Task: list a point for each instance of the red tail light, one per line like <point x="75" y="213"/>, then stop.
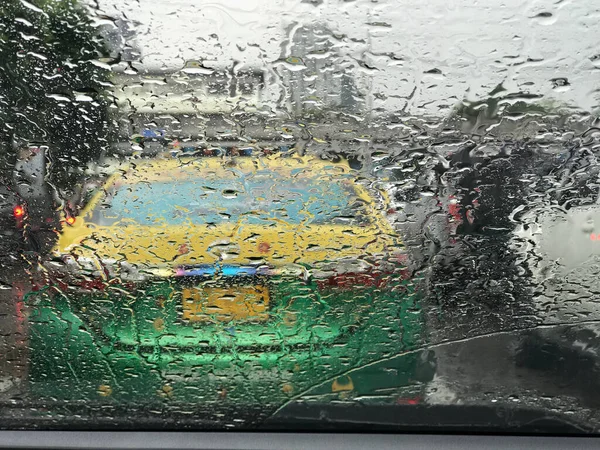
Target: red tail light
<point x="409" y="401"/>
<point x="350" y="274"/>
<point x="352" y="280"/>
<point x="19" y="211"/>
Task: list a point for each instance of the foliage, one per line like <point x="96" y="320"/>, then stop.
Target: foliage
<point x="500" y="103"/>
<point x="52" y="84"/>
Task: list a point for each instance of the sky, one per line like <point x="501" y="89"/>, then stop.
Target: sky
<point x="420" y="56"/>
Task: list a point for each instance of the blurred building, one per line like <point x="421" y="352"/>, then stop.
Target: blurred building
<point x="206" y="93"/>
<point x="318" y="76"/>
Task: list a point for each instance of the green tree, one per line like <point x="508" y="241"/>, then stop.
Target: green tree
<point x="500" y="103"/>
<point x="52" y="85"/>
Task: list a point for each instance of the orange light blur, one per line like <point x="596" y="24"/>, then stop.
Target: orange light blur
<point x="70" y="220"/>
<point x="19" y="211"/>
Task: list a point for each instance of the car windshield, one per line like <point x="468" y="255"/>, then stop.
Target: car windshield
<point x="215" y="201"/>
<point x="311" y="215"/>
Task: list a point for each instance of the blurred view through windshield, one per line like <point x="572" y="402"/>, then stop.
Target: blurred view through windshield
<point x="300" y="215"/>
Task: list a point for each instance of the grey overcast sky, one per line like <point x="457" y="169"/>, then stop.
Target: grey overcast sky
<point x="474" y="45"/>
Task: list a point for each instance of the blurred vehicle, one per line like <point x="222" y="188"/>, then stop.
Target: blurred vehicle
<point x="40" y="207"/>
<point x="225" y="280"/>
<point x="149" y="136"/>
<point x="557" y="241"/>
<point x="560" y="247"/>
<point x="502" y="228"/>
<point x="196" y="150"/>
<point x="459" y="212"/>
<point x="158" y="134"/>
<point x="13" y="220"/>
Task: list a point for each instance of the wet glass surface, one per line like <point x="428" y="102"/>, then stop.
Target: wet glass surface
<point x="312" y="215"/>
